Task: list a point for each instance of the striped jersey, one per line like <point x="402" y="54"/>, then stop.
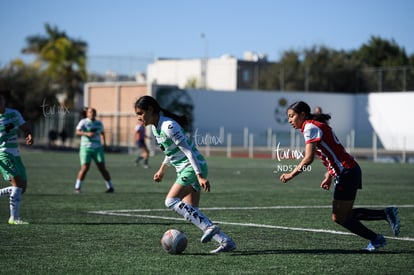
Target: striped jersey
<point x="328" y="147"/>
<point x="10" y="121"/>
<point x="169" y="134"/>
<point x="87" y="125"/>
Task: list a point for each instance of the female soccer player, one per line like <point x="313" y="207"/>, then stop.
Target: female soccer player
<point x="190" y="165"/>
<point x="91" y="131"/>
<point x="11" y="165"/>
<point x="342" y="167"/>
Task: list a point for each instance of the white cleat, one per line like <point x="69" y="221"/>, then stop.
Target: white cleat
<point x="225" y="246"/>
<point x="209" y="233"/>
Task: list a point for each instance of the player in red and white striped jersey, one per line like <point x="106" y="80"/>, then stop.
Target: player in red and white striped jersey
<point x="343" y="169"/>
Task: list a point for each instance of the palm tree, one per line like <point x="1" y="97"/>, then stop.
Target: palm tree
<point x="64" y="60"/>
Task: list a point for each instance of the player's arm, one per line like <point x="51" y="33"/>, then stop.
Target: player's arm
<point x="81" y="132"/>
<point x="103" y="138"/>
<point x="27" y="133"/>
<point x="161" y="171"/>
<point x="307" y="160"/>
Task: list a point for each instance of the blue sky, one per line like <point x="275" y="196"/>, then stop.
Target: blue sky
<point x="148" y="29"/>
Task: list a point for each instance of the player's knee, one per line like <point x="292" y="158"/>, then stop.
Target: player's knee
<point x="338" y="219"/>
<point x="170" y="202"/>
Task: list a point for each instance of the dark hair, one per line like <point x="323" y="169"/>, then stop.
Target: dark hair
<point x="300" y="106"/>
<point x="146" y="101"/>
<point x="6" y="94"/>
<point x="82" y="113"/>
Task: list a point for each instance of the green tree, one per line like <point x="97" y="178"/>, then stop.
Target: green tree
<point x="383" y="61"/>
<point x="29" y="89"/>
<point x="64" y="60"/>
<point x="330" y="70"/>
<point x="379" y="52"/>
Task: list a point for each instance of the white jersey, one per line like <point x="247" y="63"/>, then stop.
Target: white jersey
<point x="10" y="123"/>
<point x="87" y="125"/>
<point x="169" y="134"/>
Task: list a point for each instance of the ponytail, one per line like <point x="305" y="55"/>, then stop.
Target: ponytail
<point x="182" y="120"/>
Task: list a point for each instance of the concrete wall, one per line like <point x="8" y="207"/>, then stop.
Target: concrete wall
<point x="354" y="117"/>
<point x="114" y="103"/>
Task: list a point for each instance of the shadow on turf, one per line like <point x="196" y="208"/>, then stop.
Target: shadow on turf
<point x="309" y="251"/>
<point x="111" y="223"/>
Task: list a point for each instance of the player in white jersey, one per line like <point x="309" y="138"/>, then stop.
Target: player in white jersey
<point x="11" y="165"/>
<point x="190" y="165"/>
<point x="91" y="131"/>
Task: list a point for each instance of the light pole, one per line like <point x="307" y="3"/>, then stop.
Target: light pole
<point x="204" y="61"/>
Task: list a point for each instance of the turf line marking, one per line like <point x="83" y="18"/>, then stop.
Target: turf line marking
<point x="126" y="213"/>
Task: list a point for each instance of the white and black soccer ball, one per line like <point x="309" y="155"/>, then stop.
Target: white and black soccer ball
<point x="174" y="241"/>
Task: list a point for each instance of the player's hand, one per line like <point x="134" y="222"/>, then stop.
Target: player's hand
<point x="158" y="176"/>
<point x="205" y="183"/>
<point x="326" y="183"/>
<point x="29" y="139"/>
<point x="285" y="178"/>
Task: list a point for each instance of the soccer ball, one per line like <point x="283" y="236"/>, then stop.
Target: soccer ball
<point x="174" y="241"/>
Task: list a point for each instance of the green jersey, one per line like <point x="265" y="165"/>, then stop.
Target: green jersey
<point x="87" y="125"/>
<point x="169" y="134"/>
<point x="10" y="122"/>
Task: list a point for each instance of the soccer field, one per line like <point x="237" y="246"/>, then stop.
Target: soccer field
<point x="279" y="228"/>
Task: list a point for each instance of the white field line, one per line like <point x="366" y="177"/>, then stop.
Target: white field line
<point x="127" y="213"/>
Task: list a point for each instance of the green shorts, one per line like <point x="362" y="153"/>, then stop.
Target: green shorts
<point x="189" y="177"/>
<point x="86" y="154"/>
<point x="12" y="166"/>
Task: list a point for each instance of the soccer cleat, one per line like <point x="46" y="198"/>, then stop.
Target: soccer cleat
<point x="380" y="241"/>
<point x="209" y="232"/>
<point x="77" y="190"/>
<point x="16" y="221"/>
<point x="392" y="218"/>
<point x="225" y="246"/>
<point x="110" y="190"/>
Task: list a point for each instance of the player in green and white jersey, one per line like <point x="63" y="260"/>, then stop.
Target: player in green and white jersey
<point x="91" y="131"/>
<point x="11" y="165"/>
<point x="190" y="165"/>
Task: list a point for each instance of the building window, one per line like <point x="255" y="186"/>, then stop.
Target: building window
<point x="246" y="76"/>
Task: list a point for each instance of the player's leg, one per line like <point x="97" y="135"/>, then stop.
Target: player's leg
<point x="99" y="158"/>
<point x="220" y="237"/>
<point x="85" y="161"/>
<point x="5" y="192"/>
<point x="390" y="214"/>
<point x="13" y="171"/>
<point x="342" y="214"/>
<point x="179" y="200"/>
<point x="18" y="185"/>
<point x="184" y="198"/>
<point x="345" y="191"/>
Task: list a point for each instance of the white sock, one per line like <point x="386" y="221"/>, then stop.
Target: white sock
<point x="192" y="214"/>
<point x="15" y="197"/>
<point x="108" y="184"/>
<point x="78" y="184"/>
<point x="5" y="192"/>
<point x="221" y="237"/>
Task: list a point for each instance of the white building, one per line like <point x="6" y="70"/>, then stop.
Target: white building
<point x="226" y="73"/>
